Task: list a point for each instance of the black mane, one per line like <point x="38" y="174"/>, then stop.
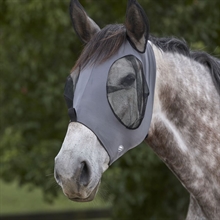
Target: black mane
<point x="175" y="45"/>
<point x="102" y="46"/>
<point x="107" y="42"/>
<point x="171" y="44"/>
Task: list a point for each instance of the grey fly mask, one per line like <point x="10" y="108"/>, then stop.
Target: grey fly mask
<point x="114" y="99"/>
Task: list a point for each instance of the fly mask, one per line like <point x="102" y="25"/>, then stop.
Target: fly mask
<point x="114" y="99"/>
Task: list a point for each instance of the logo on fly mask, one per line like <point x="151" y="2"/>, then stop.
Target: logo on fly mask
<point x="127" y="91"/>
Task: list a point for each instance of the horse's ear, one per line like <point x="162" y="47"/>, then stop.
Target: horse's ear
<point x="83" y="25"/>
<point x="137" y="26"/>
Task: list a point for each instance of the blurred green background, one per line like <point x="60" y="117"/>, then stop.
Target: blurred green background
<point x="38" y="48"/>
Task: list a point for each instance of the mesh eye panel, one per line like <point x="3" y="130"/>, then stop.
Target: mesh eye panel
<point x="69" y="88"/>
<point x="68" y="92"/>
<point x="127" y="91"/>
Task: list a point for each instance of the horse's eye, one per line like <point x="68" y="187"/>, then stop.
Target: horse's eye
<point x="128" y="80"/>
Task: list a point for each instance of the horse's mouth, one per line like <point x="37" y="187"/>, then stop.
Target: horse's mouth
<point x="89" y="198"/>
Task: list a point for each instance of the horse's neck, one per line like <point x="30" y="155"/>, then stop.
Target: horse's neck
<point x="185" y="127"/>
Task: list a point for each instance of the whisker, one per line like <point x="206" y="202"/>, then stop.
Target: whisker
<point x="49" y="175"/>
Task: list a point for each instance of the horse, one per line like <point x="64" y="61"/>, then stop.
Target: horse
<point x="127" y="87"/>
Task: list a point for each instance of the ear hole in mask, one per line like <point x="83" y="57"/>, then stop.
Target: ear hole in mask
<point x="127" y="91"/>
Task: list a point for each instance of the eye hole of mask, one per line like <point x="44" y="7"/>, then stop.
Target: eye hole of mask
<point x="127" y="91"/>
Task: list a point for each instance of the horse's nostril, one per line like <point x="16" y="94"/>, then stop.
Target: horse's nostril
<point x="85" y="174"/>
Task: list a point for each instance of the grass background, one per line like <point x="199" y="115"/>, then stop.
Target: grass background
<point x="17" y="200"/>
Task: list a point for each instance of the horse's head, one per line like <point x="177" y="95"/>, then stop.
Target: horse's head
<point x="108" y="98"/>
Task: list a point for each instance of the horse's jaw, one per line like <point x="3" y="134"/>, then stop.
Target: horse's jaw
<point x="80" y="163"/>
